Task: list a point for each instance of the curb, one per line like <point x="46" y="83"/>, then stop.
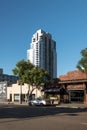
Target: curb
<point x="72" y="105"/>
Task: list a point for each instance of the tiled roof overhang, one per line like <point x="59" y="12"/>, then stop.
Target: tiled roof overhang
<point x="73" y="81"/>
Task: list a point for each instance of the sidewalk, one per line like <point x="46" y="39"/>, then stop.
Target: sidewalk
<point x="65" y="105"/>
<point x="72" y="105"/>
<point x="15" y="103"/>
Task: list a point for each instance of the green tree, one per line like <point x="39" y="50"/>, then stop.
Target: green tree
<point x="40" y="77"/>
<point x="82" y="63"/>
<point x="23" y="71"/>
<point x="33" y="76"/>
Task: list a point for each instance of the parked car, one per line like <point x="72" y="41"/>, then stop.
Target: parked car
<point x="39" y="101"/>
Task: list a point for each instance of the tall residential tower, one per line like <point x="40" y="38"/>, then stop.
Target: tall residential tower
<point x="42" y="52"/>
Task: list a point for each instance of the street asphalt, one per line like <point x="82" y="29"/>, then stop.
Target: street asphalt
<point x="59" y="117"/>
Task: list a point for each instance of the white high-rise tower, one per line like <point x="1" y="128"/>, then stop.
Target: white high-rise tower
<point x="42" y="52"/>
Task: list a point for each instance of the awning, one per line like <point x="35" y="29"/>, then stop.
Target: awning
<point x="52" y="90"/>
<point x="56" y="90"/>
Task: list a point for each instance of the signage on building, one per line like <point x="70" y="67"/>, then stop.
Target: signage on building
<point x="3" y="91"/>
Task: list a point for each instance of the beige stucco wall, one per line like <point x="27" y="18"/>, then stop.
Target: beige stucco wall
<point x="17" y="89"/>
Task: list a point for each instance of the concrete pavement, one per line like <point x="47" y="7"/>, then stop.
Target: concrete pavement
<point x="72" y="105"/>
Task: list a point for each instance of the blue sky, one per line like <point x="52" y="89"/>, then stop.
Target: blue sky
<point x="66" y="20"/>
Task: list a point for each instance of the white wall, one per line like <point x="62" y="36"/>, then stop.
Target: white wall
<point x="15" y="89"/>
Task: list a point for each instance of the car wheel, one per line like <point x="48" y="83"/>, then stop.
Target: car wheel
<point x="41" y="104"/>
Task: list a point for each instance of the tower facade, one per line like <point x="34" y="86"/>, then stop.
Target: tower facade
<point x="42" y="52"/>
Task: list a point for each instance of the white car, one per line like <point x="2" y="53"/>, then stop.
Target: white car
<point x="39" y="101"/>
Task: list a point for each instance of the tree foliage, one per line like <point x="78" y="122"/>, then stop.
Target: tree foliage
<point x="40" y="76"/>
<point x="82" y="63"/>
<point x="22" y="70"/>
<point x="28" y="73"/>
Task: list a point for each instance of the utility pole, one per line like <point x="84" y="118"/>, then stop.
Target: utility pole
<point x="20" y="94"/>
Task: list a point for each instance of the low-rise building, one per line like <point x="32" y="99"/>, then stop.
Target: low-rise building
<point x="71" y="87"/>
<point x="10" y="79"/>
<point x="75" y="82"/>
<point x="17" y="91"/>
